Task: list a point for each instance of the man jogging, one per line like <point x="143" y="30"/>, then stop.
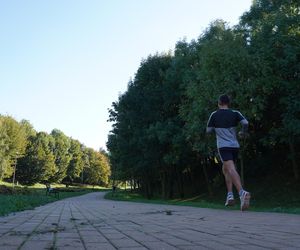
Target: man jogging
<point x="224" y="122"/>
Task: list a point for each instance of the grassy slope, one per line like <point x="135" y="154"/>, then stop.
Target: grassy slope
<point x="269" y="198"/>
<point x="36" y="196"/>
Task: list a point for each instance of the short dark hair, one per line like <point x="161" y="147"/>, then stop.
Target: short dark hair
<point x="224" y="100"/>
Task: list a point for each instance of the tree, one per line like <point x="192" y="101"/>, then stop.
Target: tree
<point x="98" y="171"/>
<point x="158" y="137"/>
<point x="76" y="163"/>
<point x="60" y="149"/>
<point x="13" y="141"/>
<point x="272" y="30"/>
<point x="38" y="164"/>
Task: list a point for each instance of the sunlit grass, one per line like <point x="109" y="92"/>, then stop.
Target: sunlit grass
<point x="23" y="197"/>
<point x="54" y="185"/>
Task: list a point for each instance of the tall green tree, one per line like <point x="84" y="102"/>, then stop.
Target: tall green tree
<point x="272" y="31"/>
<point x="60" y="149"/>
<point x="13" y="141"/>
<point x="38" y="163"/>
<point x="76" y="163"/>
<point x="158" y="136"/>
<point x="134" y="115"/>
<point x="98" y="171"/>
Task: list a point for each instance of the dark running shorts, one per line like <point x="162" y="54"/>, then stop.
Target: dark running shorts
<point x="227" y="154"/>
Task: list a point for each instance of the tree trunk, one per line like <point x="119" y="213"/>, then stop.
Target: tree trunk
<point x="171" y="181"/>
<point x="242" y="161"/>
<point x="149" y="190"/>
<point x="194" y="181"/>
<point x="209" y="188"/>
<point x="179" y="183"/>
<point x="293" y="159"/>
<point x="242" y="169"/>
<point x="163" y="185"/>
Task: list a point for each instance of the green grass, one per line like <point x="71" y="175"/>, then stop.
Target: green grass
<point x="30" y="197"/>
<point x="41" y="186"/>
<point x="136" y="197"/>
<point x="278" y="202"/>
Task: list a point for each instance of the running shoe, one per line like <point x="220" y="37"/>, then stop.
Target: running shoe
<point x="245" y="200"/>
<point x="229" y="200"/>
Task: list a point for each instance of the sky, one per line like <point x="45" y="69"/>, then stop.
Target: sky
<point x="63" y="62"/>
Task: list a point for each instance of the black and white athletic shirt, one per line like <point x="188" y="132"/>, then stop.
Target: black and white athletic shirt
<point x="224" y="123"/>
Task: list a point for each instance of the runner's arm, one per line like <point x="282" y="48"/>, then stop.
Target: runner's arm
<point x="210" y="124"/>
<point x="243" y="121"/>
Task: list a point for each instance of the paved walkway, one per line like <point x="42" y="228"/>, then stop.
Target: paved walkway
<point x="90" y="222"/>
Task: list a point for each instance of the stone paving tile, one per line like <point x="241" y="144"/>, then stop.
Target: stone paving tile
<point x="42" y="237"/>
<point x="142" y="237"/>
<point x="67" y="235"/>
<point x="69" y="242"/>
<point x="250" y="247"/>
<point x="125" y="243"/>
<point x="70" y="248"/>
<point x="195" y="247"/>
<point x="90" y="222"/>
<point x="9" y="248"/>
<point x="177" y="242"/>
<point x="94" y="239"/>
<point x="11" y="240"/>
<point x="133" y="248"/>
<point x="116" y="236"/>
<point x="97" y="246"/>
<point x="158" y="245"/>
<point x="33" y="244"/>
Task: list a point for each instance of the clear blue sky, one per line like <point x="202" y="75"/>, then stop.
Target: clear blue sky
<point x="63" y="62"/>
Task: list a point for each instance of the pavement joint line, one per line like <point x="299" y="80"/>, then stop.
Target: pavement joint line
<point x="190" y="241"/>
<point x="55" y="233"/>
<point x="142" y="231"/>
<point x="95" y="227"/>
<point x="75" y="225"/>
<point x="125" y="227"/>
<point x="96" y="216"/>
<point x="288" y="233"/>
<point x="27" y="238"/>
<point x="200" y="232"/>
<point x="23" y="222"/>
<point x="90" y="223"/>
<point x="178" y="237"/>
<point x="167" y="234"/>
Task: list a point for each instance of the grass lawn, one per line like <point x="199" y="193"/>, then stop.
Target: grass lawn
<point x="29" y="197"/>
<point x="278" y="202"/>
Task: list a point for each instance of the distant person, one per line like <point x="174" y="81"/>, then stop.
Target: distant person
<point x="224" y="122"/>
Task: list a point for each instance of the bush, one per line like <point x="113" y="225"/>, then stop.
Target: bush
<point x="17" y="190"/>
<point x="6" y="190"/>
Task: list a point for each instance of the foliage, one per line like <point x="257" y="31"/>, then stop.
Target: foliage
<point x="158" y="142"/>
<point x="46" y="158"/>
<point x="60" y="149"/>
<point x="38" y="164"/>
<point x="13" y="141"/>
<point x="76" y="163"/>
<point x="98" y="170"/>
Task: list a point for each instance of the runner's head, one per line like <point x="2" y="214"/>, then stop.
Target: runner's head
<point x="223" y="101"/>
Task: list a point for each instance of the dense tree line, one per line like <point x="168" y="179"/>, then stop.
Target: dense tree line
<point x="158" y="141"/>
<point x="47" y="158"/>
